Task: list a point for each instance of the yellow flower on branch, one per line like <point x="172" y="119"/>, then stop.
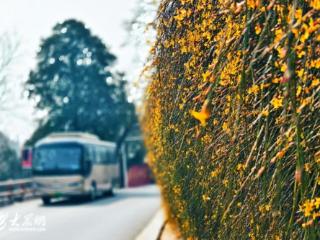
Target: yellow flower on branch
<point x="307" y="207"/>
<point x="278" y="35"/>
<point x="182" y="14"/>
<point x="252" y="3"/>
<point x="241" y="167"/>
<point x="258" y="29"/>
<point x="307" y="167"/>
<point x="206" y="75"/>
<point x="184" y="49"/>
<point x="254" y="89"/>
<point x="298" y="15"/>
<point x="277" y="102"/>
<point x="265" y="113"/>
<point x="315" y="4"/>
<point x="315" y="83"/>
<point x="203" y="115"/>
<point x="215" y="173"/>
<point x="276" y="80"/>
<point x="225" y="127"/>
<point x="314" y="64"/>
<point x="205" y="198"/>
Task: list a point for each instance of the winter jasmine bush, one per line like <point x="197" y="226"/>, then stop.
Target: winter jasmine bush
<point x="231" y="117"/>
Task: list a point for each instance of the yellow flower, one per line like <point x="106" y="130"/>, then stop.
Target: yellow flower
<point x="314" y="63"/>
<point x="205" y="198"/>
<point x="215" y="173"/>
<point x="257" y="29"/>
<point x="184" y="49"/>
<point x="254" y="89"/>
<point x="307" y="208"/>
<point x="315" y="4"/>
<point x="283" y="68"/>
<point x="276" y="80"/>
<point x="265" y="113"/>
<point x="240" y="167"/>
<point x="277" y="102"/>
<point x="278" y="35"/>
<point x="267" y="207"/>
<point x="264" y="85"/>
<point x="317" y="203"/>
<point x="307" y="167"/>
<point x="181" y="14"/>
<point x="299" y="90"/>
<point x="203" y="115"/>
<point x="225" y="182"/>
<point x="252" y="3"/>
<point x="206" y="75"/>
<point x="315" y="83"/>
<point x="225" y="127"/>
<point x="298" y="15"/>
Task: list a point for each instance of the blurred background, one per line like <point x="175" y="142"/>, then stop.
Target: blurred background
<point x="72" y="66"/>
<point x="48" y="49"/>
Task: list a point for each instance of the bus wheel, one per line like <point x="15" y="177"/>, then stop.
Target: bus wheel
<point x="46" y="200"/>
<point x="109" y="193"/>
<point x="10" y="200"/>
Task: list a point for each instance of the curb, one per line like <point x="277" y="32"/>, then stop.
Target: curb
<point x="153" y="229"/>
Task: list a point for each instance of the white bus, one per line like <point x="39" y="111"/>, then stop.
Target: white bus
<point x="74" y="165"/>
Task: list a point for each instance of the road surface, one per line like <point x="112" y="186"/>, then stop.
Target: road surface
<point x="120" y="217"/>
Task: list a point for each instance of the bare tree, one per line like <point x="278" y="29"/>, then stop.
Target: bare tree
<point x="140" y="31"/>
<point x="9" y="162"/>
<point x="8" y="52"/>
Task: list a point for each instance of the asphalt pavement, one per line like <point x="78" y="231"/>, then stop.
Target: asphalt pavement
<point x="120" y="217"/>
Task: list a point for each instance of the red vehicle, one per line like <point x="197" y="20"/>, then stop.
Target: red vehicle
<point x="27" y="158"/>
<point x="139" y="175"/>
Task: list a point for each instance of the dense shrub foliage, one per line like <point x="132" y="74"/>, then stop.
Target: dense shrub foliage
<point x="232" y="114"/>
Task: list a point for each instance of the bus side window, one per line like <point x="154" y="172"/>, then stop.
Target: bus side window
<point x="91" y="154"/>
<point x="106" y="155"/>
<point x="97" y="152"/>
<point x="112" y="157"/>
<point x="100" y="154"/>
<point x="87" y="153"/>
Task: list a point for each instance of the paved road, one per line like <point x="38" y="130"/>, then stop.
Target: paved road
<point x="120" y="217"/>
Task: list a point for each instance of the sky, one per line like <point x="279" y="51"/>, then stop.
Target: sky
<point x="28" y="21"/>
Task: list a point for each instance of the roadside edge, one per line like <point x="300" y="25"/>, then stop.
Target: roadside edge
<point x="152" y="230"/>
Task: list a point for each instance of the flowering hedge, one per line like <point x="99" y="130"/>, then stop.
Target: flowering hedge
<point x="231" y="117"/>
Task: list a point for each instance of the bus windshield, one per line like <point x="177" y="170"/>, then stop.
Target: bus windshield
<point x="57" y="159"/>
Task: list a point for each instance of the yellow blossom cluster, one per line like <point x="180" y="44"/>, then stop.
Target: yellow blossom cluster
<point x="232" y="117"/>
<point x="311" y="210"/>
